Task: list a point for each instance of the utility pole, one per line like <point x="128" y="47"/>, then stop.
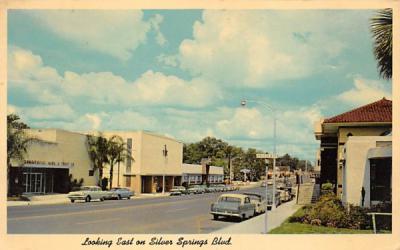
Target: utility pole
<point x="165" y="154"/>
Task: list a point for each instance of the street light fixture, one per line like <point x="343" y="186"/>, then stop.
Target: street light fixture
<point x="273" y="110"/>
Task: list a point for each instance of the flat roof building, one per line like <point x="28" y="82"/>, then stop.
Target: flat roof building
<point x="144" y="174"/>
<point x="51" y="158"/>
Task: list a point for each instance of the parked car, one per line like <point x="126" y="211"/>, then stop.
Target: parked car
<point x="178" y="190"/>
<point x="233" y="205"/>
<point x="87" y="193"/>
<point x="269" y="198"/>
<point x="230" y="188"/>
<point x="120" y="193"/>
<point x="108" y="194"/>
<point x="284" y="195"/>
<point x="259" y="201"/>
<point x="196" y="189"/>
<point x="210" y="189"/>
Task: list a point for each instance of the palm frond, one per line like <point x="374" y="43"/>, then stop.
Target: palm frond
<point x="381" y="29"/>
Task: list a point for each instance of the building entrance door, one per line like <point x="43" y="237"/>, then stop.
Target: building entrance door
<point x="34" y="182"/>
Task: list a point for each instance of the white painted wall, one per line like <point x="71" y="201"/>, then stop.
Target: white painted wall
<point x="356" y="170"/>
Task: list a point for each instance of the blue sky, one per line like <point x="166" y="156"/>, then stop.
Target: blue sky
<point x="182" y="73"/>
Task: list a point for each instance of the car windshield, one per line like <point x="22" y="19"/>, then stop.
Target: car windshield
<point x="229" y="199"/>
<point x="84" y="188"/>
<point x="115" y="189"/>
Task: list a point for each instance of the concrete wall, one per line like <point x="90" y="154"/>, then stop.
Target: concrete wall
<point x="356" y="170"/>
<point x="355" y="131"/>
<point x="62" y="146"/>
<point x="152" y="160"/>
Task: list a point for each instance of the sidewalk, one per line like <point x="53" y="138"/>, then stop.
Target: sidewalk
<point x="257" y="225"/>
<point x="63" y="199"/>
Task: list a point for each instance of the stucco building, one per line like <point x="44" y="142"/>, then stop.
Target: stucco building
<point x="56" y="154"/>
<point x="374" y="119"/>
<point x="195" y="174"/>
<point x="144" y="174"/>
<point x="367" y="165"/>
<point x="50" y="159"/>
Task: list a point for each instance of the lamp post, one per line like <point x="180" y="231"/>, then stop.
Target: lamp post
<point x="244" y="103"/>
<point x="165" y="154"/>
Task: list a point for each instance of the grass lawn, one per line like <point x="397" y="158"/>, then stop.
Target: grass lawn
<point x="299" y="228"/>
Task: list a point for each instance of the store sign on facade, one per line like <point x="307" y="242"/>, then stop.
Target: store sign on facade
<point x="48" y="164"/>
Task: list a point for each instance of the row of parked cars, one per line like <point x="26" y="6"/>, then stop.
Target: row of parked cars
<point x="89" y="193"/>
<point x="201" y="189"/>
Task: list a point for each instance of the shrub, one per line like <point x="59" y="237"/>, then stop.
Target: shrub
<point x="383" y="222"/>
<point x="358" y="218"/>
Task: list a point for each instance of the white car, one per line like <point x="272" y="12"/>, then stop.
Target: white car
<point x="87" y="193"/>
<point x="120" y="193"/>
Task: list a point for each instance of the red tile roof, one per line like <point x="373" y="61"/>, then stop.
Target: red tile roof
<point x="379" y="111"/>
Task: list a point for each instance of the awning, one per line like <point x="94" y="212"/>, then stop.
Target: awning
<point x="380" y="152"/>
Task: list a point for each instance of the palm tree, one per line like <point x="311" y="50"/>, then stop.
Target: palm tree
<point x="117" y="152"/>
<point x="97" y="147"/>
<point x="17" y="142"/>
<point x="381" y="28"/>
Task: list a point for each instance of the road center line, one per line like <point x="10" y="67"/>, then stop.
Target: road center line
<point x="102" y="210"/>
<point x="97" y="221"/>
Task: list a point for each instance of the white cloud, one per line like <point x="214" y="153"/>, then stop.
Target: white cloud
<point x="294" y="126"/>
<point x="168" y="60"/>
<point x="155" y="24"/>
<point x="28" y="73"/>
<point x="255" y="48"/>
<point x="114" y="32"/>
<point x="11" y="109"/>
<point x="365" y="91"/>
<point x="48" y="112"/>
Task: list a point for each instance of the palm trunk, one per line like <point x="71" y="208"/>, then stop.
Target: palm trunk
<point x="111" y="174"/>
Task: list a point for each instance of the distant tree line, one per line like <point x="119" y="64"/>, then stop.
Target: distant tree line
<point x="224" y="155"/>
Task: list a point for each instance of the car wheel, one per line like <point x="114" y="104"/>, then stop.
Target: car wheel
<point x="128" y="197"/>
<point x="87" y="199"/>
<point x="254" y="213"/>
<point x="216" y="216"/>
<point x="102" y="199"/>
<point x="72" y="201"/>
<point x="243" y="217"/>
<point x="119" y="197"/>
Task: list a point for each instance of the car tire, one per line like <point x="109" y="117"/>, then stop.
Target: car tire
<point x="216" y="216"/>
<point x="243" y="217"/>
<point x="128" y="197"/>
<point x="87" y="199"/>
<point x="72" y="201"/>
<point x="119" y="197"/>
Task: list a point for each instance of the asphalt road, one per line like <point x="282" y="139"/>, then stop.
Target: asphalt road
<point x="175" y="215"/>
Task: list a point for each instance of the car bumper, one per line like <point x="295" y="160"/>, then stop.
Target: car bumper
<point x="227" y="214"/>
<point x="76" y="197"/>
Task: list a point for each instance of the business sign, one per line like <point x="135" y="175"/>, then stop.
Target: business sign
<point x="47" y="164"/>
<point x="265" y="156"/>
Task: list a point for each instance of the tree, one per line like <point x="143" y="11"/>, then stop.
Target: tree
<point x="381" y="28"/>
<point x="17" y="142"/>
<point x="117" y="152"/>
<point x="97" y="147"/>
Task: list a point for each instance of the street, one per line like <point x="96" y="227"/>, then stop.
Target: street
<point x="177" y="214"/>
